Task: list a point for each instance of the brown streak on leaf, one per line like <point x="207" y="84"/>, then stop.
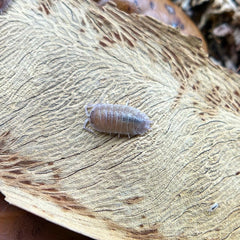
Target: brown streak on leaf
<point x="133" y="200"/>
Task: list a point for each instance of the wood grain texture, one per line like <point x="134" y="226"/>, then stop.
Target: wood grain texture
<point x="56" y="58"/>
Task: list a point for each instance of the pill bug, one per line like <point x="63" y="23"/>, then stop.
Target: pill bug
<point x="4" y="4"/>
<point x="120" y="119"/>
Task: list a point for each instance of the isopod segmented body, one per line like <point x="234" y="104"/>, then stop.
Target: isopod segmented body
<point x="120" y="119"/>
<point x="4" y="4"/>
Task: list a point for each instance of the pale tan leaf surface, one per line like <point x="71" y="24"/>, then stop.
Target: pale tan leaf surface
<point x="162" y="185"/>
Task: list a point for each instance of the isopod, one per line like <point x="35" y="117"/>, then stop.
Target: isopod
<point x="4" y="4"/>
<point x="120" y="119"/>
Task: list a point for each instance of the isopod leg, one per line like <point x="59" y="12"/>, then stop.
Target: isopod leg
<point x="118" y="135"/>
<point x="86" y="109"/>
<point x="85" y="124"/>
<point x="129" y="135"/>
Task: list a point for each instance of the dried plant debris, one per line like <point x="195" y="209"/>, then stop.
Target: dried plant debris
<point x="219" y="21"/>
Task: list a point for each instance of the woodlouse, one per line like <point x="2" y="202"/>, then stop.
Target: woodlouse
<point x="120" y="119"/>
<point x="4" y="4"/>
